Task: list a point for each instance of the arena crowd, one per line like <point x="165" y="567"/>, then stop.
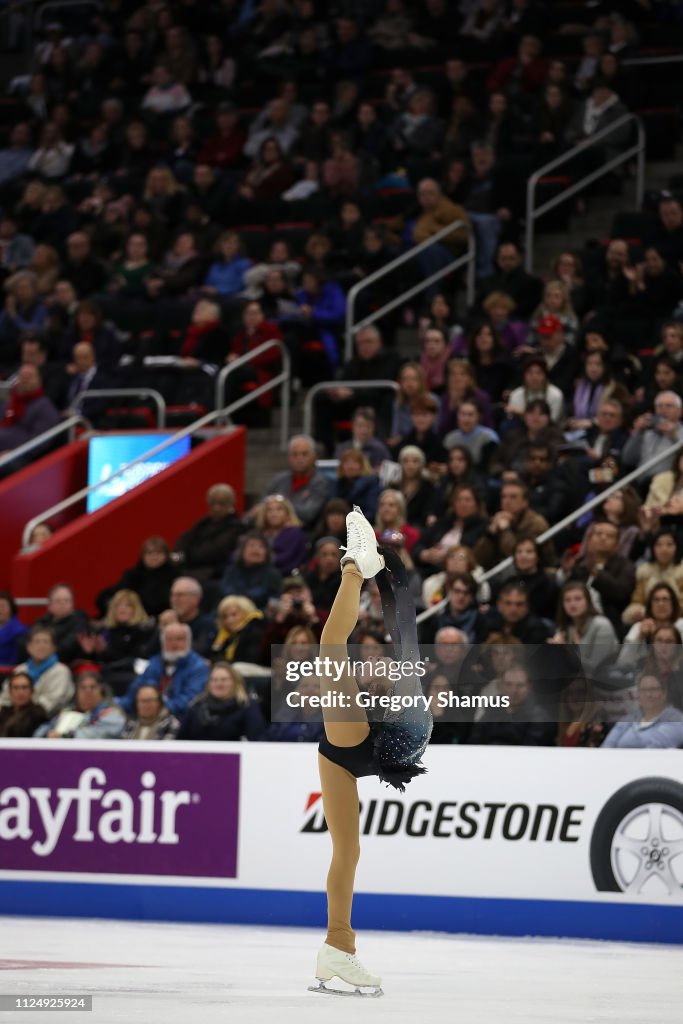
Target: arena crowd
<point x="180" y="182"/>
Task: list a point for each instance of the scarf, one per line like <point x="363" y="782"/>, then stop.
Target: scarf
<point x="17" y="404"/>
<point x="300" y="480"/>
<point x="37" y="668"/>
<point x="194" y="333"/>
<point x="231" y="640"/>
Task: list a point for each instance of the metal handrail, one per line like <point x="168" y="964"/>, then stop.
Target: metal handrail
<point x="282" y="380"/>
<point x="637" y="150"/>
<point x="69" y="424"/>
<point x="193" y="428"/>
<point x="618" y="485"/>
<point x="156" y="397"/>
<point x="467" y="257"/>
<point x="326" y="385"/>
<point x="641" y="62"/>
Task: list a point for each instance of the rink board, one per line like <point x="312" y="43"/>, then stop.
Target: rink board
<point x="531" y="841"/>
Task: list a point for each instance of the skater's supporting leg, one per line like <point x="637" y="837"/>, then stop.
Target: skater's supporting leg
<point x="342" y="814"/>
<point x="344" y="727"/>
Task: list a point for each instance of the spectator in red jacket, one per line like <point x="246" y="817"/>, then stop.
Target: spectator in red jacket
<point x="255" y="331"/>
<point x="525" y="73"/>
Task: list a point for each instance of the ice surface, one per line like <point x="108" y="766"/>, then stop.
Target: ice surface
<point x="198" y="974"/>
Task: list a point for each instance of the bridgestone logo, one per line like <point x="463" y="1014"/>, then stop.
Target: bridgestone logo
<point x="110" y="815"/>
<point x="460" y="820"/>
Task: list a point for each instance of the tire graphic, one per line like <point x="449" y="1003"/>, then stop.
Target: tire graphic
<point x="637" y="842"/>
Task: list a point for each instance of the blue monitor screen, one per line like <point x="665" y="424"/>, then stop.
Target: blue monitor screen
<point x="113" y="451"/>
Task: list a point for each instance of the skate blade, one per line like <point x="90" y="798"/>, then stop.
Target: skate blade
<point x="356" y="993"/>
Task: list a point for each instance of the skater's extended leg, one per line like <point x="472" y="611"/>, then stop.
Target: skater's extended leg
<point x="342" y="814"/>
<point x="348" y="726"/>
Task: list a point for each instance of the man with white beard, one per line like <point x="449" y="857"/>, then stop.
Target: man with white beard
<point x="178" y="672"/>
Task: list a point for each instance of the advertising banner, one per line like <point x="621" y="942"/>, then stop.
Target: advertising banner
<point x="529" y="823"/>
<point x="528" y="840"/>
<point x="109" y="811"/>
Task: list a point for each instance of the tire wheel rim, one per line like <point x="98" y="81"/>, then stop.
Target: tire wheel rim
<point x="646" y="844"/>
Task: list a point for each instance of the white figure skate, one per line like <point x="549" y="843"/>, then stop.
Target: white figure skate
<point x="335" y="963"/>
<point x="361" y="545"/>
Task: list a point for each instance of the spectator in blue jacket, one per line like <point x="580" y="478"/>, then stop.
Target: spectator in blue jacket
<point x="92" y="716"/>
<point x="10" y="629"/>
<point x="322" y="305"/>
<point x="656" y="723"/>
<point x="178" y="672"/>
<point x="226" y="274"/>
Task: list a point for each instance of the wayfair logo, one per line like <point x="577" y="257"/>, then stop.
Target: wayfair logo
<point x="108" y="815"/>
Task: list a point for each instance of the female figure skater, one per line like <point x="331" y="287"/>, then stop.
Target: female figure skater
<point x="353" y="747"/>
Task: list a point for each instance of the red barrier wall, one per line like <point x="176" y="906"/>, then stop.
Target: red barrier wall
<point x="30" y="491"/>
<point x="91" y="552"/>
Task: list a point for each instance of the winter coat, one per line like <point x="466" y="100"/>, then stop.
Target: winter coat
<point x="242" y="645"/>
<point x="494" y="547"/>
<point x="9" y="634"/>
<point x="362" y="491"/>
<point x="208" y="544"/>
<point x="228" y="277"/>
<point x="289" y="549"/>
<point x="188" y="680"/>
<point x="212" y="719"/>
<point x="541" y="590"/>
<point x="153" y="587"/>
<point x="40" y="415"/>
<point x="66" y="632"/>
<point x="21" y="722"/>
<point x="257" y="582"/>
<point x="473" y="528"/>
<point x="613" y="583"/>
<point x="307" y="500"/>
<point x="264" y="366"/>
<point x="125" y="643"/>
